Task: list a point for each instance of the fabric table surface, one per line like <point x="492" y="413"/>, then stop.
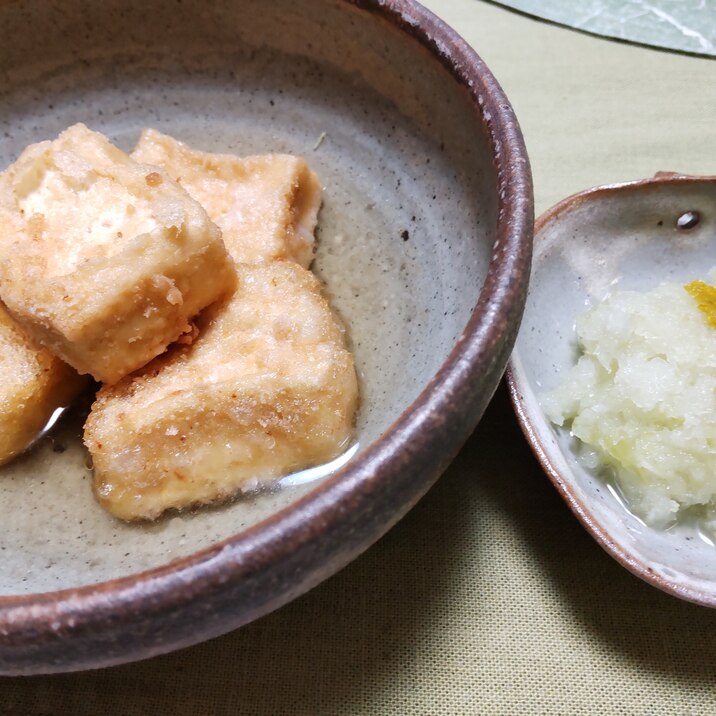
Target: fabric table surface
<point x="488" y="598"/>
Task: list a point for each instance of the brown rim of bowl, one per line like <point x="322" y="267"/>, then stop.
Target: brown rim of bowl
<point x="496" y="314"/>
<point x="580" y="510"/>
<point x="661" y="177"/>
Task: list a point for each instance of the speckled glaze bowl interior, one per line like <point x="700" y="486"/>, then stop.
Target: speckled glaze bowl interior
<point x="426" y="215"/>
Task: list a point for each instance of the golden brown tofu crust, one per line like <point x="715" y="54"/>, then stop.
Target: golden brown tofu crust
<point x="268" y="388"/>
<point x="34" y="384"/>
<point x="266" y="206"/>
<point x="76" y="274"/>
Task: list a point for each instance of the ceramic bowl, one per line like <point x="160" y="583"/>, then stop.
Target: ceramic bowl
<point x="424" y="244"/>
<point x="630" y="236"/>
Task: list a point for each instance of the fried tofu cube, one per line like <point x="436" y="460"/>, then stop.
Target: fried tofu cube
<point x="267" y="388"/>
<point x="104" y="261"/>
<point x="34" y="385"/>
<point x="266" y="206"/>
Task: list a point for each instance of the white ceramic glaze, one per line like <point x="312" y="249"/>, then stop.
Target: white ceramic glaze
<point x="616" y="237"/>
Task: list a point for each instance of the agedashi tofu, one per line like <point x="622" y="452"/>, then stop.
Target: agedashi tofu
<point x="103" y="260"/>
<point x="266" y="206"/>
<point x="34" y="385"/>
<point x="266" y="389"/>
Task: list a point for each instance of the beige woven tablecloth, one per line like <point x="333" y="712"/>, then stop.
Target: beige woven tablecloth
<point x="489" y="597"/>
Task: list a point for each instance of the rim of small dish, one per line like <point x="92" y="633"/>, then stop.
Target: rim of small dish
<point x="515" y="381"/>
<point x="495" y="315"/>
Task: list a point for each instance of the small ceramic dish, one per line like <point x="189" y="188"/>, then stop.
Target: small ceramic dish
<point x="626" y="236"/>
<point x="424" y="244"/>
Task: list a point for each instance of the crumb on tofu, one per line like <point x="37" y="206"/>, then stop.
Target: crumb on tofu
<point x="34" y="384"/>
<point x="266" y="389"/>
<point x="104" y="260"/>
<point x="266" y="206"/>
